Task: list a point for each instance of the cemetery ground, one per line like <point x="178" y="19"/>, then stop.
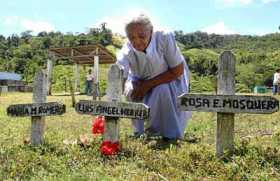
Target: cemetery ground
<point x="63" y="156"/>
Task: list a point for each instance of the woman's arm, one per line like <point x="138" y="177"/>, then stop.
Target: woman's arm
<point x="143" y="86"/>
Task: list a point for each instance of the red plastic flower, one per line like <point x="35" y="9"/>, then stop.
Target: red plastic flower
<point x="108" y="148"/>
<point x="98" y="125"/>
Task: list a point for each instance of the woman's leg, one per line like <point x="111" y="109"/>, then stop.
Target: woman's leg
<point x="165" y="118"/>
<point x="274" y="89"/>
<point x="90" y="87"/>
<point x="86" y="88"/>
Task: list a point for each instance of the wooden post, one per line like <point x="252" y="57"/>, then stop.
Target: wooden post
<point x="72" y="93"/>
<point x="96" y="69"/>
<point x="39" y="96"/>
<point x="95" y="86"/>
<point x="77" y="77"/>
<point x="113" y="91"/>
<point x="65" y="85"/>
<point x="226" y="86"/>
<point x="49" y="74"/>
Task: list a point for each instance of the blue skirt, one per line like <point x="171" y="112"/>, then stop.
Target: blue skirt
<point x="165" y="117"/>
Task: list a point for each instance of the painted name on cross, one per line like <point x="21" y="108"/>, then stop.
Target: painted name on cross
<point x="228" y="103"/>
<point x="113" y="109"/>
<point x="36" y="109"/>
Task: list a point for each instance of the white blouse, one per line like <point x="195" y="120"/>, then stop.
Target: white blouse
<point x="276" y="78"/>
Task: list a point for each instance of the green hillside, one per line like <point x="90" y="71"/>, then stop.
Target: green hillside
<point x="257" y="56"/>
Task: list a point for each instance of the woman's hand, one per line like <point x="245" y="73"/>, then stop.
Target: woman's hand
<point x="140" y="89"/>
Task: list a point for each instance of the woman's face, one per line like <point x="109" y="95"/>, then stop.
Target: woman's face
<point x="139" y="36"/>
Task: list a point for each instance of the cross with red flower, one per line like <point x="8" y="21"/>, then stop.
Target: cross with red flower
<point x="110" y="111"/>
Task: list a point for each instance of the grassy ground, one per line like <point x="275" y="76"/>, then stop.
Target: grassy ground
<point x="256" y="157"/>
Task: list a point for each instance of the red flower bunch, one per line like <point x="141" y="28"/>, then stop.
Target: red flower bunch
<point x="98" y="125"/>
<point x="108" y="148"/>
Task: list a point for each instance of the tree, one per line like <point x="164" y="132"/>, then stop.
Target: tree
<point x="13" y="40"/>
<point x="26" y="36"/>
<point x="42" y="34"/>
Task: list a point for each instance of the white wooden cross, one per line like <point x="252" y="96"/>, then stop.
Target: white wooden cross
<point x="113" y="108"/>
<point x="226" y="103"/>
<point x="38" y="109"/>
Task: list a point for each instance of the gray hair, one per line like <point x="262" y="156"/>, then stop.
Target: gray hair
<point x="142" y="20"/>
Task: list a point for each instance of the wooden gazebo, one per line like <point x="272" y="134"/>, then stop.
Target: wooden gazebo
<point x="91" y="55"/>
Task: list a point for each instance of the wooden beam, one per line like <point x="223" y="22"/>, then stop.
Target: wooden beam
<point x="58" y="53"/>
<point x="225" y="121"/>
<point x="91" y="63"/>
<point x="81" y="54"/>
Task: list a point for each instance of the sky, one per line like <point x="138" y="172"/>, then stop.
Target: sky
<point x="254" y="17"/>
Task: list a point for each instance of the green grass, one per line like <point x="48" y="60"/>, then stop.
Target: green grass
<point x="256" y="156"/>
<point x="63" y="73"/>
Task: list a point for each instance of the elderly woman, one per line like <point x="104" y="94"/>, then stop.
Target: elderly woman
<point x="156" y="73"/>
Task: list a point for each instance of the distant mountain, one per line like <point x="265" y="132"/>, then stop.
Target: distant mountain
<point x="269" y="42"/>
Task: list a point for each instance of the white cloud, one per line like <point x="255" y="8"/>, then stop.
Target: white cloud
<point x="11" y="21"/>
<point x="117" y="23"/>
<point x="221" y="29"/>
<point x="234" y="2"/>
<point x="258" y="32"/>
<point x="23" y="24"/>
<point x="37" y="26"/>
<point x="269" y="1"/>
<point x="218" y="28"/>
